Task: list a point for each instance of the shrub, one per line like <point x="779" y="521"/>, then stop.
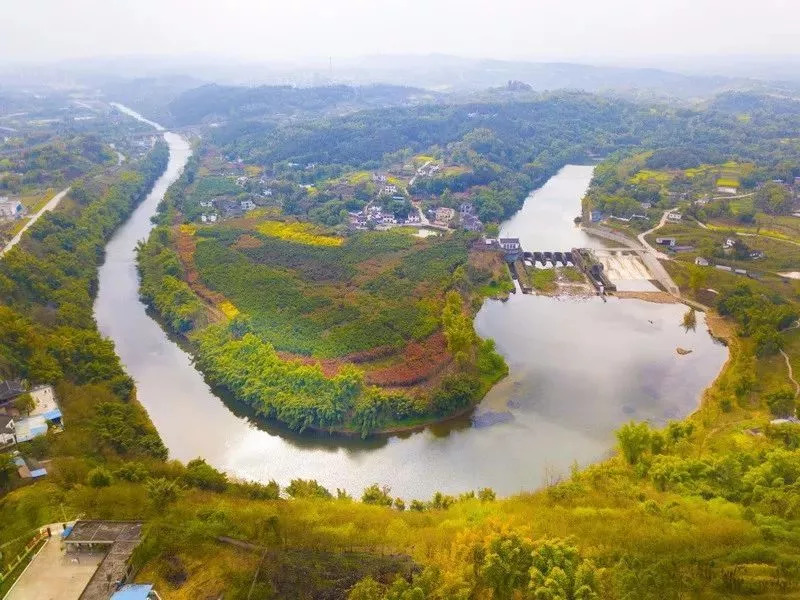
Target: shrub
<point x="634" y="440"/>
<point x="202" y="475"/>
<point x="781" y="403"/>
<point x="98" y="477"/>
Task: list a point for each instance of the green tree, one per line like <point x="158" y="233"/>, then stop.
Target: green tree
<point x="559" y="573"/>
<point x="487" y="495"/>
<point x="505" y="566"/>
<point x="782" y="402"/>
<point x="161" y="492"/>
<point x="307" y="488"/>
<point x="7" y="470"/>
<point x="366" y="589"/>
<point x="24" y="403"/>
<point x="634" y="440"/>
<point x="773" y="198"/>
<point x="377" y="495"/>
<point x="202" y="475"/>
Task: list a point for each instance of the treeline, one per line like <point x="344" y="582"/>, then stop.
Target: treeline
<point x="530" y="132"/>
<point x="758" y="316"/>
<point x="163" y="287"/>
<point x="47" y="329"/>
<point x="297" y="395"/>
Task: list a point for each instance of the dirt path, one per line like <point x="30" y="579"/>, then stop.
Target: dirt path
<point x="51" y="205"/>
<point x="791" y="374"/>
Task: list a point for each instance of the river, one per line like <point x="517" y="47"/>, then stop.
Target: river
<point x="579" y="368"/>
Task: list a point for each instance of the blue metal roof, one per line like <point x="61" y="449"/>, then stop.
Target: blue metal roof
<point x="134" y="591"/>
<point x="52" y="415"/>
<point x="38" y="473"/>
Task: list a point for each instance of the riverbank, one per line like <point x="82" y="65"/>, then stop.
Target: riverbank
<point x="552" y="426"/>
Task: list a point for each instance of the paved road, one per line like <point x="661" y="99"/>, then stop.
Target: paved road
<point x="49" y="206"/>
<point x="414" y="178"/>
<point x="646" y="244"/>
<point x="51" y="575"/>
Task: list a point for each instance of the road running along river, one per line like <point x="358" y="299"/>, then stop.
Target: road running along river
<point x="579" y="368"/>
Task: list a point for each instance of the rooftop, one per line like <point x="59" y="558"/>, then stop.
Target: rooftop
<point x="137" y="591"/>
<point x="11" y="388"/>
<point x="121" y="537"/>
<point x="45" y="402"/>
<point x="104" y="532"/>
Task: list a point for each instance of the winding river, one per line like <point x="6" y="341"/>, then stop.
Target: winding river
<point x="579" y="368"/>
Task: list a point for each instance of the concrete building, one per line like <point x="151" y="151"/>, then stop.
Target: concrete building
<point x="10" y="209"/>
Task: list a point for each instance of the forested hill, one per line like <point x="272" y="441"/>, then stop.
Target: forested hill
<point x="213" y="101"/>
<point x="596" y="123"/>
<point x="553" y="128"/>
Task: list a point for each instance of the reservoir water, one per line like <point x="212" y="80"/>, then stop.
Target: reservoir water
<point x="579" y="368"/>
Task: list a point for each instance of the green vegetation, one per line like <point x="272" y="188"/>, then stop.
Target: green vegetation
<point x="703" y="508"/>
<point x="262" y="299"/>
<point x="543" y="280"/>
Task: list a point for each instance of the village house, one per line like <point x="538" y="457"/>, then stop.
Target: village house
<point x="666" y="241"/>
<point x="444" y="215"/>
<point x="390" y="189"/>
<point x="729" y="243"/>
<point x="674" y="217"/>
<point x="247" y="205"/>
<point x="45" y="411"/>
<point x="7" y="431"/>
<point x="701" y="262"/>
<point x="28" y="468"/>
<point x="379" y="177"/>
<point x="10" y="209"/>
<point x="466" y="208"/>
<point x="241" y="181"/>
<point x="727" y="189"/>
<point x="413" y="217"/>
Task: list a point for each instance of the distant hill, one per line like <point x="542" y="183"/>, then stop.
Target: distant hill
<point x="218" y="102"/>
<point x="441" y="72"/>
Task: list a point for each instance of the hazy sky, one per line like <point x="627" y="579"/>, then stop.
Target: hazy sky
<point x="588" y="30"/>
